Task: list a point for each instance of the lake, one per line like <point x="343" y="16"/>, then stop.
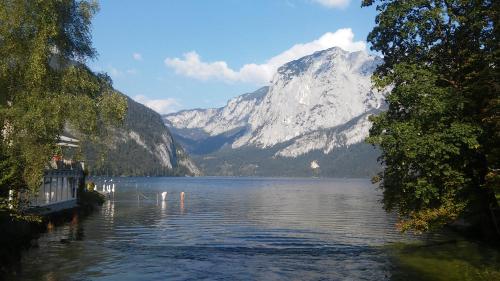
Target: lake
<point x="246" y="229"/>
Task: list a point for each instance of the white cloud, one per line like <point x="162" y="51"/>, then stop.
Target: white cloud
<point x="137" y="56"/>
<point x="192" y="66"/>
<point x="333" y="3"/>
<point x="162" y="106"/>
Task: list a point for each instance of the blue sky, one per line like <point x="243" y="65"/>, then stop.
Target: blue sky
<point x="183" y="54"/>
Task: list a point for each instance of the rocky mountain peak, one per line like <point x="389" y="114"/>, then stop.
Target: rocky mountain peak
<point x="319" y="102"/>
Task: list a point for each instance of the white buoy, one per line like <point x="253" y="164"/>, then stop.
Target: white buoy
<point x="164" y="196"/>
<point x="113" y="188"/>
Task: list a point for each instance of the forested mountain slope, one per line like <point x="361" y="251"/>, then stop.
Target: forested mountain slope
<point x="142" y="146"/>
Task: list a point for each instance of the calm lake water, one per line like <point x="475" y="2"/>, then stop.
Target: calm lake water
<point x="229" y="229"/>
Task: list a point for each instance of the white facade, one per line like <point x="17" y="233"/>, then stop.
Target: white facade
<point x="57" y="187"/>
<point x="61" y="180"/>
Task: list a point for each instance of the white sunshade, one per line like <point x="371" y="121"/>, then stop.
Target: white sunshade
<point x="67" y="139"/>
<point x="67" y="144"/>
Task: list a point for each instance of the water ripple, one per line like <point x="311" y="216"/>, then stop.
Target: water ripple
<point x="225" y="229"/>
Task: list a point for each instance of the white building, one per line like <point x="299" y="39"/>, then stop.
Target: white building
<point x="59" y="189"/>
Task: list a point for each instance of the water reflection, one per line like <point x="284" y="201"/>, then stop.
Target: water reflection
<point x="163" y="209"/>
<point x="243" y="229"/>
<point x="450" y="259"/>
<point x="108" y="209"/>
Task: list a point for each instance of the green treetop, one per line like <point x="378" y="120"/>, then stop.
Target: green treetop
<point x="440" y="135"/>
<point x="45" y="85"/>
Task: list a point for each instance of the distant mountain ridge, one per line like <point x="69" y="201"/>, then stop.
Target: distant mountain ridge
<point x="316" y="105"/>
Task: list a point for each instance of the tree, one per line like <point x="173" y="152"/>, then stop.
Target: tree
<point x="45" y="85"/>
<point x="440" y="135"/>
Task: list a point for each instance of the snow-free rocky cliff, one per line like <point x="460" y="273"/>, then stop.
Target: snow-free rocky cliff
<point x="315" y="109"/>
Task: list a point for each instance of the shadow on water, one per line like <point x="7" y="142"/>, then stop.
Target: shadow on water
<point x="456" y="259"/>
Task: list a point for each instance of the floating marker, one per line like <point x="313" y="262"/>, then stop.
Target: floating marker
<point x="164" y="196"/>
